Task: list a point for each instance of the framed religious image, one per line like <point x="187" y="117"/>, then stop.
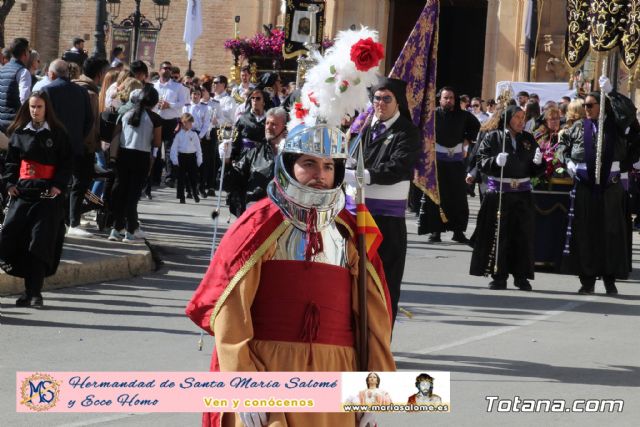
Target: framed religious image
<point x="302" y="25"/>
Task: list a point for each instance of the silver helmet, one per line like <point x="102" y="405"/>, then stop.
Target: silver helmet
<point x="298" y="201"/>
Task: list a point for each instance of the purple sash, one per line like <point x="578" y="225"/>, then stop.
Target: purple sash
<point x="446" y="157"/>
<point x="494" y="185"/>
<point x="248" y="143"/>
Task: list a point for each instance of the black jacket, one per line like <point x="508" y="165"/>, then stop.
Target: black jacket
<point x="45" y="147"/>
<point x="73" y="108"/>
<point x="519" y="162"/>
<point x="391" y="157"/>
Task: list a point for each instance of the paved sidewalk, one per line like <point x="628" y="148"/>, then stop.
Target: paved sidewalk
<point x="90" y="260"/>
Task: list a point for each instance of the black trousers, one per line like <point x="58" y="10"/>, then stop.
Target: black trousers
<point x="81" y="178"/>
<point x="393" y="252"/>
<point x="168" y="133"/>
<point x="132" y="168"/>
<point x="34" y="277"/>
<point x="207" y="167"/>
<point x="187" y="174"/>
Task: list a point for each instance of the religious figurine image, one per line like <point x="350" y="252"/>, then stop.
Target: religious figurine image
<point x="424" y="384"/>
<point x="304" y="26"/>
<point x="301" y="27"/>
<point x="373" y="394"/>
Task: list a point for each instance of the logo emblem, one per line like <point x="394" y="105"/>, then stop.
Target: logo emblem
<point x="39" y="392"/>
<point x="49" y="143"/>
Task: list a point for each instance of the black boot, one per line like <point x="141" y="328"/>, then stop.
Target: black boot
<point x="588" y="283"/>
<point x="434" y="238"/>
<point x="498" y="284"/>
<point x="523" y="284"/>
<point x="610" y="285"/>
<point x="23" y="301"/>
<point x="458" y="236"/>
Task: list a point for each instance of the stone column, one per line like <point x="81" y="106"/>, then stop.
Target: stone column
<point x="491" y="50"/>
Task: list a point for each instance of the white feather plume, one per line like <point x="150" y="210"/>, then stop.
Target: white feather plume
<point x="334" y="87"/>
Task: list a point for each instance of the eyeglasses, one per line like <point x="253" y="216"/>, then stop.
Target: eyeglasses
<point x="590" y="105"/>
<point x="387" y="99"/>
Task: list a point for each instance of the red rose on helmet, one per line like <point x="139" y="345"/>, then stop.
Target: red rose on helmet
<point x="300" y="112"/>
<point x="366" y="54"/>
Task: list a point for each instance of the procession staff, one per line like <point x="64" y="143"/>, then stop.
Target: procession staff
<point x="37" y="172"/>
<point x="597" y="232"/>
<point x="509" y="173"/>
<point x="297" y="244"/>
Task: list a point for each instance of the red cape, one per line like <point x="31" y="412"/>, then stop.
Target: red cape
<point x="238" y="244"/>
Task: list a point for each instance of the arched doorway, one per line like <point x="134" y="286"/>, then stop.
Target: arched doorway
<point x="461" y="40"/>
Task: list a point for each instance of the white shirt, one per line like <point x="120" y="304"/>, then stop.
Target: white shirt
<point x="30" y="126"/>
<point x="224" y="112"/>
<point x="42" y="83"/>
<point x="110" y="98"/>
<point x="387" y="123"/>
<point x="173" y="93"/>
<point x="186" y="141"/>
<point x="201" y="117"/>
<point x="24" y="84"/>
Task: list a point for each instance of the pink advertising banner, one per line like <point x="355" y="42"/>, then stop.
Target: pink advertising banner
<point x="229" y="392"/>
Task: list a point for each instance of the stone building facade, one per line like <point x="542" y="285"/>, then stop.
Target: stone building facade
<point x="51" y="25"/>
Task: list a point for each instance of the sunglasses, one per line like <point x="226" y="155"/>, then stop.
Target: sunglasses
<point x="165" y="68"/>
<point x="590" y="105"/>
<point x="216" y="82"/>
<point x="475" y="105"/>
<point x="256" y="98"/>
<point x="387" y="99"/>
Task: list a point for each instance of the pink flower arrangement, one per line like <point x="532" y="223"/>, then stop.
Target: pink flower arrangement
<point x="263" y="45"/>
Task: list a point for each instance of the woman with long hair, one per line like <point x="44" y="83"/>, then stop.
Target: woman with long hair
<point x="37" y="171"/>
<point x="141" y="132"/>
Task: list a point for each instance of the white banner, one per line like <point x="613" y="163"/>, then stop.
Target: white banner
<point x="192" y="25"/>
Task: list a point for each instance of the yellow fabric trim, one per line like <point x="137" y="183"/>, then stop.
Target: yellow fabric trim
<point x="376" y="279"/>
<point x="257" y="255"/>
<point x="370" y="268"/>
<point x="345" y="225"/>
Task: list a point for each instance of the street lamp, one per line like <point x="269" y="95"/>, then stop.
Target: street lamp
<point x="137" y="20"/>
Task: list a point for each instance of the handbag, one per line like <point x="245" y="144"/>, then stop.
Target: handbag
<point x="108" y="121"/>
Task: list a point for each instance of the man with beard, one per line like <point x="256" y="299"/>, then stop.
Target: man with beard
<point x="520" y="160"/>
<point x="455" y="130"/>
<point x="172" y="99"/>
<point x="254" y="169"/>
<point x="297" y="246"/>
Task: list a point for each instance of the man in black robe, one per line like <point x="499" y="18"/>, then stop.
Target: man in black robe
<point x="455" y="130"/>
<point x="597" y="235"/>
<point x="521" y="159"/>
<point x="391" y="148"/>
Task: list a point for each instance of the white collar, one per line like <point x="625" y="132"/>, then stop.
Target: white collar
<point x="388" y="123"/>
<point x="30" y="126"/>
<point x="222" y="95"/>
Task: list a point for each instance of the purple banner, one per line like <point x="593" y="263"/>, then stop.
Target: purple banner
<point x="122" y="37"/>
<point x="147" y="41"/>
<point x="417" y="66"/>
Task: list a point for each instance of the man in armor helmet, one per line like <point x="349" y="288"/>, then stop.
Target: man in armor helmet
<point x="281" y="291"/>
